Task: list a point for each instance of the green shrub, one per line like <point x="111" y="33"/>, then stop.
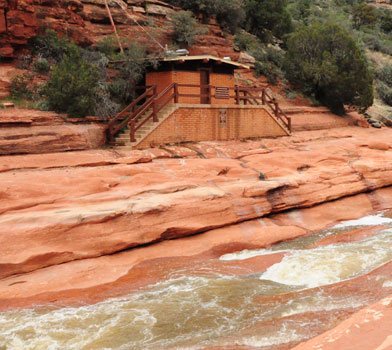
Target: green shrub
<point x="244" y="41"/>
<point x="20" y="87"/>
<point x="274" y="55"/>
<point x="385" y="92"/>
<point x="269" y="61"/>
<point x="43" y="105"/>
<point x="24" y="62"/>
<point x="185" y="28"/>
<point x="41" y="65"/>
<point x="229" y="14"/>
<point x="51" y="46"/>
<point x="364" y="14"/>
<point x="104" y="104"/>
<point x="268" y="70"/>
<point x="72" y="86"/>
<point x="119" y="90"/>
<point x="265" y="18"/>
<point x="384" y="85"/>
<point x="300" y="11"/>
<point x="385" y="74"/>
<point x="384" y="19"/>
<point x="326" y="62"/>
<point x="108" y="46"/>
<point x="131" y="72"/>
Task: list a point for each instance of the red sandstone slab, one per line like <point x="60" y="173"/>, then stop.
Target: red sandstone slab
<point x="368" y="329"/>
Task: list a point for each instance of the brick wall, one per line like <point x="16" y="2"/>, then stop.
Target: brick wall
<point x="223" y="80"/>
<point x="198" y="123"/>
<point x="161" y="79"/>
<point x="184" y="77"/>
<point x="164" y="79"/>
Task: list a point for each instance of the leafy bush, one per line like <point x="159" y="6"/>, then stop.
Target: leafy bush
<point x="108" y="47"/>
<point x="41" y="65"/>
<point x="265" y="18"/>
<point x="104" y="105"/>
<point x="20" y="87"/>
<point x="72" y="86"/>
<point x="384" y="19"/>
<point x="384" y="85"/>
<point x="269" y="61"/>
<point x="244" y="41"/>
<point x="131" y="72"/>
<point x="229" y="14"/>
<point x="300" y="11"/>
<point x="326" y="62"/>
<point x="376" y="41"/>
<point x="385" y="92"/>
<point x="185" y="28"/>
<point x="51" y="46"/>
<point x="364" y="14"/>
<point x="24" y="62"/>
<point x="267" y="69"/>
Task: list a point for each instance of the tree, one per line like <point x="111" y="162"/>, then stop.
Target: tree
<point x="185" y="28"/>
<point x="384" y="83"/>
<point x="72" y="86"/>
<point x="265" y="18"/>
<point x="384" y="18"/>
<point x="229" y="14"/>
<point x="325" y="61"/>
<point x="364" y="14"/>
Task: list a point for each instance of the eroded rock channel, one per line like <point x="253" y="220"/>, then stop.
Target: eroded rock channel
<point x="146" y="250"/>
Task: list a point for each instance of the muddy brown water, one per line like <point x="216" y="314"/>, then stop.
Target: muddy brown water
<point x="309" y="291"/>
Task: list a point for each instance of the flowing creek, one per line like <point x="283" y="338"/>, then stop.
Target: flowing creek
<point x="282" y="305"/>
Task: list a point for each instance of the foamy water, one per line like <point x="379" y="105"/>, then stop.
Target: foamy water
<point x="333" y="263"/>
<point x="194" y="312"/>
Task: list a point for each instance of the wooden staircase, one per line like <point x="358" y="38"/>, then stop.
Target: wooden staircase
<point x="123" y="138"/>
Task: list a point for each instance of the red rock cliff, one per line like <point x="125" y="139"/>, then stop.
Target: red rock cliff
<point x="87" y="21"/>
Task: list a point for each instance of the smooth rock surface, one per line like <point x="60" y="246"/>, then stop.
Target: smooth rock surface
<point x="93" y="203"/>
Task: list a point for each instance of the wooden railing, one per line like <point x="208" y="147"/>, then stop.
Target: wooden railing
<point x="122" y="119"/>
<point x="156" y="104"/>
<point x="138" y="113"/>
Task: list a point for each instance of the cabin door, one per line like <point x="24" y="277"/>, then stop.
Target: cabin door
<point x="205" y="97"/>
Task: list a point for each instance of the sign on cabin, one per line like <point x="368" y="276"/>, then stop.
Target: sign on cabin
<point x="223" y="117"/>
<point x="222" y="92"/>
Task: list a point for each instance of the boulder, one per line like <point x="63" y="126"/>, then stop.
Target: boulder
<point x="246" y="58"/>
<point x="376" y="124"/>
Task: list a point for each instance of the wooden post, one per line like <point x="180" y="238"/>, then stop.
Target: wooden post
<point x="132" y="130"/>
<point x="237" y="95"/>
<point x="110" y="134"/>
<point x="276" y="108"/>
<point x="289" y="123"/>
<point x="246" y="99"/>
<point x="175" y="93"/>
<point x="154" y="111"/>
<point x="114" y="26"/>
<point x="263" y="96"/>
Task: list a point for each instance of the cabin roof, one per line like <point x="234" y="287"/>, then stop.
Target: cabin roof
<point x="204" y="58"/>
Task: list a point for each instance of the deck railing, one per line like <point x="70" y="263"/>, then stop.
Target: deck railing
<point x="150" y="103"/>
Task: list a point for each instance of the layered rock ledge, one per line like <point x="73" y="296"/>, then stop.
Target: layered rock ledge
<point x="86" y="210"/>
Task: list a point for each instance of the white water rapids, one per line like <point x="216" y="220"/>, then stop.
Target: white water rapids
<point x="193" y="312"/>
